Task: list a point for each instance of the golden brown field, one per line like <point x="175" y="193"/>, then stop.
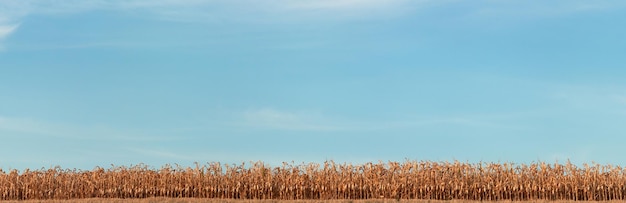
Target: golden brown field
<point x="410" y="180"/>
<point x="197" y="200"/>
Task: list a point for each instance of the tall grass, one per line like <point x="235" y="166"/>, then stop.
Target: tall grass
<point x="328" y="180"/>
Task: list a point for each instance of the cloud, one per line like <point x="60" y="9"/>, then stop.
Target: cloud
<point x="468" y="121"/>
<point x="5" y="31"/>
<point x="486" y="122"/>
<point x="33" y="127"/>
<point x="202" y="10"/>
<point x="286" y="10"/>
<point x="13" y="12"/>
<point x="270" y="11"/>
<point x="28" y="126"/>
<point x="269" y="118"/>
<point x="282" y="120"/>
<point x="337" y="4"/>
<point x="620" y="98"/>
<point x="162" y="154"/>
<point x="343" y="5"/>
<point x="597" y="97"/>
<point x="532" y="9"/>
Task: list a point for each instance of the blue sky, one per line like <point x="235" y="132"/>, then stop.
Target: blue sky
<point x="101" y="82"/>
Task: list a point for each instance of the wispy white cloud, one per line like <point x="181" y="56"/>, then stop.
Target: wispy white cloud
<point x="354" y="6"/>
<point x="33" y="127"/>
<point x="13" y="12"/>
<point x="482" y="122"/>
<point x="340" y="4"/>
<point x="28" y="126"/>
<point x="270" y="118"/>
<point x="5" y="31"/>
<point x="620" y="98"/>
<point x="198" y="10"/>
<point x="534" y="9"/>
<point x="163" y="154"/>
<point x="597" y="97"/>
<point x="475" y="121"/>
<point x="288" y="10"/>
<point x="282" y="120"/>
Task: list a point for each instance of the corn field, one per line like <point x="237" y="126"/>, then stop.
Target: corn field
<point x="325" y="181"/>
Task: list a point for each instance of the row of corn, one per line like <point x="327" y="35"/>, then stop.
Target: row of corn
<point x="328" y="180"/>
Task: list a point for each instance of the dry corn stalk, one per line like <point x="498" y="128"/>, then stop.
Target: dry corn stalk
<point x="391" y="180"/>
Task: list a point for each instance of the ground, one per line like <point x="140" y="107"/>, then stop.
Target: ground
<point x="192" y="200"/>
